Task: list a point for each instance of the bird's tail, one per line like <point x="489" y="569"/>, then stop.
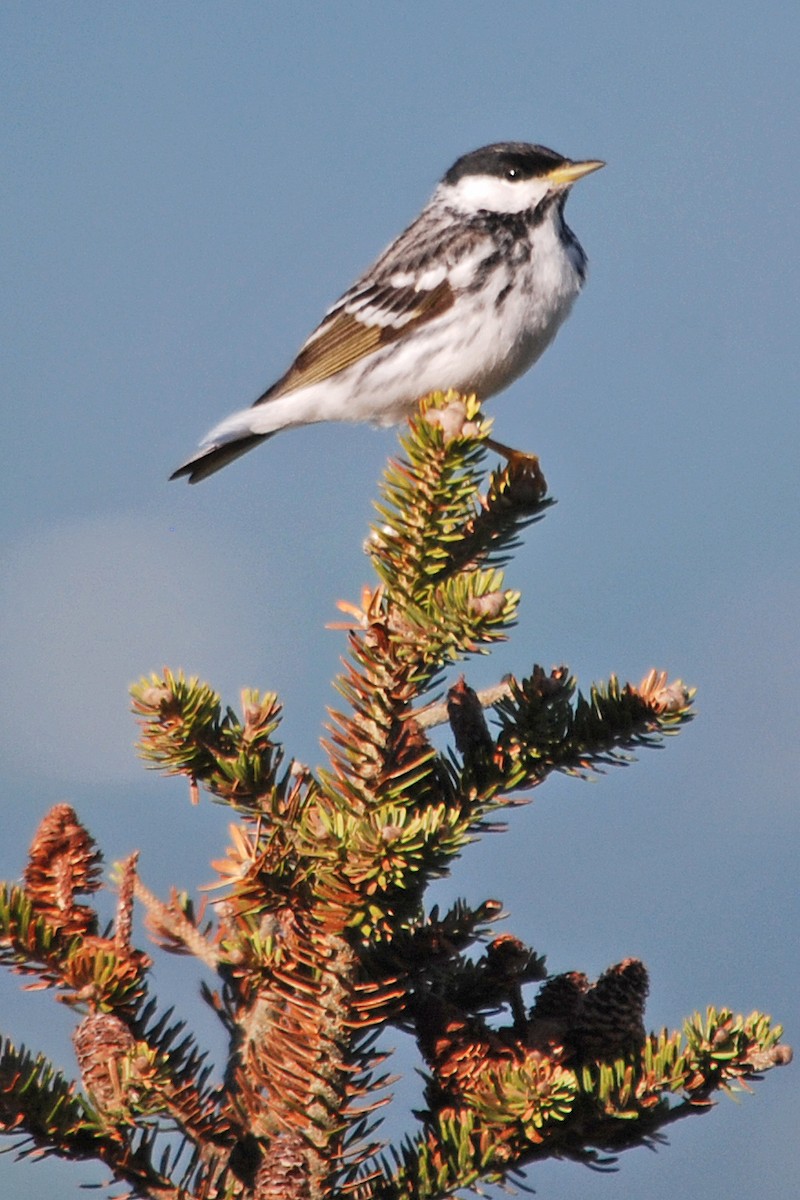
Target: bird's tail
<point x="213" y="457"/>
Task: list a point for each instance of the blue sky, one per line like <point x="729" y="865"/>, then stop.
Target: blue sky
<point x="185" y="188"/>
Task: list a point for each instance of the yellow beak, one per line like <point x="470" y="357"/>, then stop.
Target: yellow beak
<point x="572" y="171"/>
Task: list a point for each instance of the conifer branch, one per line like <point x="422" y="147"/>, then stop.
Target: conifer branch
<point x="320" y="937"/>
<point x="439" y="713"/>
<point x="173" y="928"/>
<point x="45" y="932"/>
<point x="506" y="1104"/>
<point x="41" y="1110"/>
<point x="185" y="733"/>
<point x="38" y="1104"/>
<point x="542" y="730"/>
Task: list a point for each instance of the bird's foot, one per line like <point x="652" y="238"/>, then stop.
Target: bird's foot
<point x="521" y="465"/>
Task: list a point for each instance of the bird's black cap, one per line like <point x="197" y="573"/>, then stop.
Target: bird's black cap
<point x="526" y="161"/>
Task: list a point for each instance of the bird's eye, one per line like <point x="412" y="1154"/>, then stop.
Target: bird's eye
<point x="512" y="172"/>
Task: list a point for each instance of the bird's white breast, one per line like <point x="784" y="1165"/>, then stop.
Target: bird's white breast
<point x="501" y="321"/>
<point x="520" y="310"/>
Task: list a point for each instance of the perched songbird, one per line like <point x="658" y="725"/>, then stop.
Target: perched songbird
<point x="467" y="298"/>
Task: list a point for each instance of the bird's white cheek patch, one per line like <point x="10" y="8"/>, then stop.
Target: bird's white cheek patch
<point x="476" y="192"/>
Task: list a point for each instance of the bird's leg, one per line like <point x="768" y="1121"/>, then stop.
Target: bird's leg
<point x="520" y="463"/>
<point x="513" y="456"/>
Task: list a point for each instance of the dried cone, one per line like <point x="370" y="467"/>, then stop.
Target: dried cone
<point x="556" y="1011"/>
<point x="63" y="861"/>
<point x="612" y="1021"/>
<point x="506" y="960"/>
<point x="467" y="721"/>
<point x="101" y="1041"/>
<point x="561" y="997"/>
<point x="282" y="1173"/>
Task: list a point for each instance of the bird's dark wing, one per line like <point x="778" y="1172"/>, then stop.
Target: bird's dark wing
<point x="406" y="288"/>
<point x="345" y="337"/>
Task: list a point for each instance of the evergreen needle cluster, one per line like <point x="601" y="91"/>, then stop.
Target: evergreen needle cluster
<point x="319" y="937"/>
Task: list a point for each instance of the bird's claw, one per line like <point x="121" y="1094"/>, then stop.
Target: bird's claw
<point x="521" y="465"/>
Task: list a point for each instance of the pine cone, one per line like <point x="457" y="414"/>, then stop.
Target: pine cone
<point x="63" y="861"/>
<point x="282" y="1173"/>
<point x="556" y="1012"/>
<point x="101" y="1041"/>
<point x="612" y="1021"/>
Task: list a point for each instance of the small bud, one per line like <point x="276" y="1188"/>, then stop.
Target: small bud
<point x="450" y="419"/>
<point x="156" y="697"/>
<point x="491" y="605"/>
<point x="490" y="910"/>
<point x="765" y="1060"/>
<point x="674" y="697"/>
<point x="661" y="695"/>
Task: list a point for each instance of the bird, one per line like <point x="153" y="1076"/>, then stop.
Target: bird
<point x="467" y="298"/>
